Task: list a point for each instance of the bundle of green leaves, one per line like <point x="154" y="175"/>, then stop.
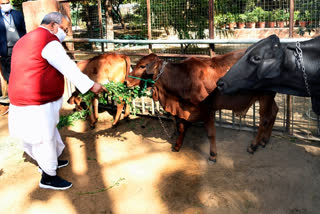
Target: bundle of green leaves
<point x="118" y="92"/>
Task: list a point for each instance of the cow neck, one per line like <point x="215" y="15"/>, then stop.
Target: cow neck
<point x="224" y="64"/>
<point x="161" y="71"/>
<point x="164" y="63"/>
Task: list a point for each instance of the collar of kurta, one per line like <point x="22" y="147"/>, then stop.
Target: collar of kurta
<point x="4" y="13"/>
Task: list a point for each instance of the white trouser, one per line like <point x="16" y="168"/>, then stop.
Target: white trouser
<point x="36" y="127"/>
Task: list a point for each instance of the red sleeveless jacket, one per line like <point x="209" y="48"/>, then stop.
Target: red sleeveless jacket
<point x="33" y="81"/>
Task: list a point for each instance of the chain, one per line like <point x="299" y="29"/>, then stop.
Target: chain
<point x="300" y="64"/>
<point x="146" y="81"/>
<point x="161" y="70"/>
<point x="153" y="82"/>
<point x="164" y="128"/>
<point x="158" y="76"/>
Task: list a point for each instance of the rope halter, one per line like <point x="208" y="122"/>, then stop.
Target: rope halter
<point x="146" y="81"/>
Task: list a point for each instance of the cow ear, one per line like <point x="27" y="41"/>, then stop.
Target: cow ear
<point x="268" y="69"/>
<point x="151" y="67"/>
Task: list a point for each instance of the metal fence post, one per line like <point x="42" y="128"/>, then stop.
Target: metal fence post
<point x="149" y="24"/>
<point x="292" y="116"/>
<point x="290" y="36"/>
<point x="211" y="25"/>
<point x="254" y="116"/>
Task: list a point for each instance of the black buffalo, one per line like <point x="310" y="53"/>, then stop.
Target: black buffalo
<point x="271" y="66"/>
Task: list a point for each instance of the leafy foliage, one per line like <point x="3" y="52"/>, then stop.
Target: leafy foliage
<point x="231" y="18"/>
<point x="67" y="120"/>
<point x="281" y="15"/>
<point x="242" y="18"/>
<point x="188" y="18"/>
<point x="117" y="183"/>
<point x="251" y="17"/>
<point x="118" y="92"/>
<point x="260" y="13"/>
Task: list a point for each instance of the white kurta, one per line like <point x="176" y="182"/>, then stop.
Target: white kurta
<point x="36" y="125"/>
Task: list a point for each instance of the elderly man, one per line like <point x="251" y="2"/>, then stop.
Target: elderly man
<point x="39" y="64"/>
<point x="12" y="27"/>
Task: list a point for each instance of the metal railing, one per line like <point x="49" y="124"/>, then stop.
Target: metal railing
<point x="183" y="41"/>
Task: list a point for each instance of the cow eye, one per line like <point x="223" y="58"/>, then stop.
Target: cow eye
<point x="256" y="59"/>
<point x="142" y="66"/>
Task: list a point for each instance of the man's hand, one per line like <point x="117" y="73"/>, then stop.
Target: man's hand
<point x="97" y="88"/>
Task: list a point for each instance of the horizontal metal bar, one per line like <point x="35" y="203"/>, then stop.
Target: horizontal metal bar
<point x="169" y="55"/>
<point x="182" y="41"/>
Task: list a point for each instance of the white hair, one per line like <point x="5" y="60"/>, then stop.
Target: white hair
<point x="55" y="17"/>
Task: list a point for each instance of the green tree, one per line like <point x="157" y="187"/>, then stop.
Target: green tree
<point x="17" y="4"/>
<point x="189" y="18"/>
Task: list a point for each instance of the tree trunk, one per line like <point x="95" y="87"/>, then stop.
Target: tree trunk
<point x="89" y="23"/>
<point x="109" y="24"/>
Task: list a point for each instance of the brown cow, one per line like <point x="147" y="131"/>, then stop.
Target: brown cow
<point x="186" y="90"/>
<point x="103" y="69"/>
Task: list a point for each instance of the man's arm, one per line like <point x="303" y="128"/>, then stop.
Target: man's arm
<point x="55" y="54"/>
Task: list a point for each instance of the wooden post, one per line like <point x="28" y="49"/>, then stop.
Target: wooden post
<point x="149" y="24"/>
<point x="64" y="8"/>
<point x="211" y="26"/>
<point x="289" y="98"/>
<point x="34" y="11"/>
<point x="100" y="24"/>
<point x="291" y="20"/>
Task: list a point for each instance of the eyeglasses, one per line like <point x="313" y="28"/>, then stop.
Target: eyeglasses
<point x="65" y="30"/>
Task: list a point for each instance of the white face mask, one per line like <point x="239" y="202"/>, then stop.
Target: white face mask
<point x="6" y="7"/>
<point x="61" y="34"/>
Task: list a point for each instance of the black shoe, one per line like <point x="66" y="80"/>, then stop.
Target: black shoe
<point x="53" y="182"/>
<point x="61" y="163"/>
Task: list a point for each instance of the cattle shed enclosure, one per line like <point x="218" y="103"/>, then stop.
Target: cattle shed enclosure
<point x="199" y="28"/>
<point x="148" y="22"/>
<point x="131" y="169"/>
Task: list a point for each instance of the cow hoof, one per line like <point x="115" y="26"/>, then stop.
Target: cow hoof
<point x="92" y="127"/>
<point x="251" y="149"/>
<point x="115" y="125"/>
<point x="176" y="149"/>
<point x="264" y="142"/>
<point x="212" y="161"/>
